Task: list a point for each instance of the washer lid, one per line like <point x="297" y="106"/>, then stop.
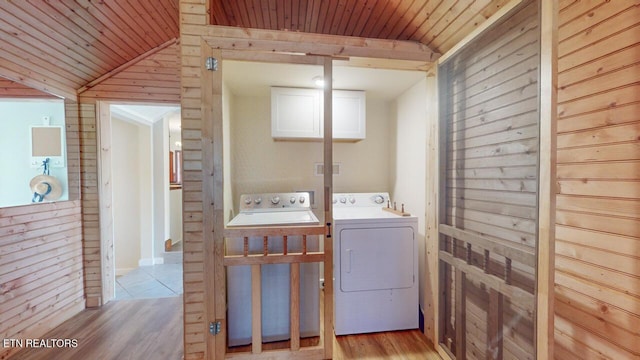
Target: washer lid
<point x="274" y="218"/>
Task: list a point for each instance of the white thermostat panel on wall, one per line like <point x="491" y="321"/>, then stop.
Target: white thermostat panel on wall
<point x="47" y="142"/>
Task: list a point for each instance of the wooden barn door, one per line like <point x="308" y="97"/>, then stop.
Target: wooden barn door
<point x="489" y="136"/>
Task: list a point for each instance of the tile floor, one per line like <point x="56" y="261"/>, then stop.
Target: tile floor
<point x="145" y="282"/>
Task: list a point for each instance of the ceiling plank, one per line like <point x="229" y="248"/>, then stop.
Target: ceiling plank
<point x="224" y="37"/>
<point x="12" y="89"/>
<point x="373" y="18"/>
<point x="478" y="30"/>
<point x="389" y="11"/>
<point x="100" y="32"/>
<point x="255" y="18"/>
<point x="116" y="22"/>
<point x="400" y="16"/>
<point x="468" y="20"/>
<point x="415" y="30"/>
<point x="74" y="39"/>
<point x="302" y="15"/>
<point x="351" y="22"/>
<point x="37" y="78"/>
<point x="148" y="13"/>
<point x="312" y="17"/>
<point x="362" y="20"/>
<point x="38" y="53"/>
<point x="126" y="65"/>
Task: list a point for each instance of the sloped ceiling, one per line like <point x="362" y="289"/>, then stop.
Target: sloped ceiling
<point x="439" y="24"/>
<point x="67" y="44"/>
<point x="64" y="45"/>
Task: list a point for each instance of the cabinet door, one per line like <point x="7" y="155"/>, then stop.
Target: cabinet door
<point x="295" y="113"/>
<point x="349" y="115"/>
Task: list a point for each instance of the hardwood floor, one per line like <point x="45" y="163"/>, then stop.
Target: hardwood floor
<point x="152" y="329"/>
<point x="126" y="329"/>
<point x="406" y="345"/>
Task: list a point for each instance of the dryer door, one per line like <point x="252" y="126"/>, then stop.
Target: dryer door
<point x="376" y="258"/>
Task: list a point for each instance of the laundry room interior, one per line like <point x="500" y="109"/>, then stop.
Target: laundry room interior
<point x="390" y="158"/>
<point x="463" y="186"/>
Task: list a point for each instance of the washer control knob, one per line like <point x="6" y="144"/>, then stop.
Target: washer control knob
<point x="352" y="199"/>
<point x="247" y="200"/>
<point x="301" y="200"/>
<point x="343" y="199"/>
<point x="335" y="200"/>
<point x="292" y="200"/>
<point x="379" y="199"/>
<point x="275" y="200"/>
<point x="258" y="200"/>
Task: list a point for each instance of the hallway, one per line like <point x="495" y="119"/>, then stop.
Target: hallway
<point x="154" y="281"/>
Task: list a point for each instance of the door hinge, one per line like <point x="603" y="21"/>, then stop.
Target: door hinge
<point x="211" y="64"/>
<point x="215" y="327"/>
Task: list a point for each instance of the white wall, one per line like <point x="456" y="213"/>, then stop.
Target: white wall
<point x="161" y="196"/>
<point x="229" y="191"/>
<point x="261" y="164"/>
<point x="408" y="170"/>
<point x="126" y="194"/>
<point x="16" y="115"/>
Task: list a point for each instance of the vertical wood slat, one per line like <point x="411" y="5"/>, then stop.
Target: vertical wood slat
<point x="285" y="248"/>
<point x="460" y="315"/>
<point x="485" y="261"/>
<point x="494" y="325"/>
<point x="547" y="177"/>
<point x="105" y="194"/>
<point x="265" y="245"/>
<point x="507" y="271"/>
<point x="256" y="310"/>
<point x="304" y="244"/>
<point x="328" y="208"/>
<point x="245" y="251"/>
<point x="295" y="306"/>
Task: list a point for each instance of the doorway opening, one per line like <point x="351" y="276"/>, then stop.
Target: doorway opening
<point x="146" y="202"/>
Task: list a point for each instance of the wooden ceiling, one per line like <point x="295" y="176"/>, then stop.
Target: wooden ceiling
<point x="62" y="46"/>
<point x="69" y="43"/>
<point x="439" y="24"/>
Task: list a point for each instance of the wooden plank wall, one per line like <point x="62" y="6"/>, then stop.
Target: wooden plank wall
<point x="12" y="89"/>
<point x="598" y="198"/>
<point x="161" y="68"/>
<point x="154" y="78"/>
<point x="41" y="277"/>
<point x="90" y="208"/>
<point x="193" y="15"/>
<point x="491" y="168"/>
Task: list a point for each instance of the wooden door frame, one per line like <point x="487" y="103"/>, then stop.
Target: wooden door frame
<point x="105" y="193"/>
<point x="283" y="47"/>
<point x="545" y="280"/>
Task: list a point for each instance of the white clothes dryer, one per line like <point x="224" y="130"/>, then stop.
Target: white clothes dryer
<point x="375" y="266"/>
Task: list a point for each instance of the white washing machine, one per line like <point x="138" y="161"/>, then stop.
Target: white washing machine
<point x="273" y="209"/>
<point x="375" y="266"/>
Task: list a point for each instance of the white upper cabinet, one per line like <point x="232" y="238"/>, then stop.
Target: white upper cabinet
<point x="295" y="113"/>
<point x="349" y="115"/>
<point x="298" y="114"/>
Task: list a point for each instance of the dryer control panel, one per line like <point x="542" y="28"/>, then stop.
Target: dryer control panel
<point x="360" y="199"/>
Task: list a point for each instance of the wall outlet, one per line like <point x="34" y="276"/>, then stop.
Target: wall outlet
<point x="319" y="169"/>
